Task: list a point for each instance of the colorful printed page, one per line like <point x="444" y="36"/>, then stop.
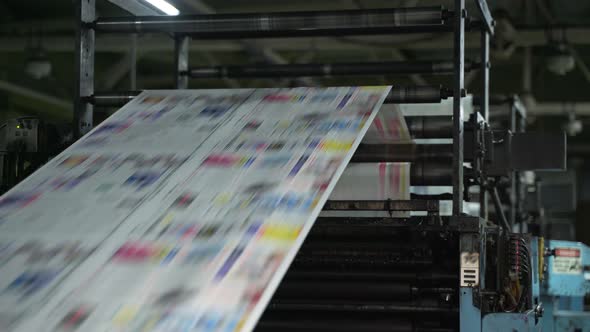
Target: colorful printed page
<point x="181" y="212"/>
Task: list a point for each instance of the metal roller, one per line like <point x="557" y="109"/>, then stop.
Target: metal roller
<point x="111" y="99"/>
<point x="373" y="153"/>
<point x="337" y="325"/>
<point x="390" y="276"/>
<point x="326" y="69"/>
<point x="398" y="95"/>
<point x="345" y="290"/>
<point x="362" y="307"/>
<point x="430" y="126"/>
<point x="417" y="95"/>
<point x="284" y="24"/>
<point x="431" y="174"/>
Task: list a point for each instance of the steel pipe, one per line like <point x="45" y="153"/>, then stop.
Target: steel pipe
<point x="398" y="95"/>
<point x="284" y="24"/>
<point x="111" y="99"/>
<point x="326" y="69"/>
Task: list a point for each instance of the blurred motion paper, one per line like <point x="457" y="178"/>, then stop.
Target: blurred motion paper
<point x="181" y="212"/>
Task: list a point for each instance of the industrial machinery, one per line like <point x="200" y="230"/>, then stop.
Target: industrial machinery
<point x="565" y="286"/>
<point x="421" y="272"/>
<point x="26" y="143"/>
<point x="425" y="272"/>
<point x="22" y="147"/>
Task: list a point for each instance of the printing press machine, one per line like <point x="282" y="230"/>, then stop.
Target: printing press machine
<point x="424" y="271"/>
<point x="413" y="268"/>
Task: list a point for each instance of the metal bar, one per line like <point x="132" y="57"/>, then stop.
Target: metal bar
<point x="133" y="63"/>
<point x="458" y="92"/>
<point x="485" y="73"/>
<point x="111" y="99"/>
<point x="325" y="69"/>
<point x="389" y="205"/>
<point x="498" y="207"/>
<point x="85" y="42"/>
<point x="181" y="48"/>
<point x="286" y="24"/>
<point x="513" y="178"/>
<point x="485" y="112"/>
<point x="398" y="95"/>
<point x="486" y="16"/>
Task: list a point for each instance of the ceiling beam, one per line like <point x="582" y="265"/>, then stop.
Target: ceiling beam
<point x="155" y="43"/>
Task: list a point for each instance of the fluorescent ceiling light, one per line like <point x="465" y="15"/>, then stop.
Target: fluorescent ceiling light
<point x="164" y="6"/>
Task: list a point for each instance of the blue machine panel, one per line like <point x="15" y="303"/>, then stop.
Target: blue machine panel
<point x="567" y="282"/>
<point x="566" y="269"/>
<point x="513" y="322"/>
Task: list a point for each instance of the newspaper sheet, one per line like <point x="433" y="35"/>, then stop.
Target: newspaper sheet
<point x="181" y="212"/>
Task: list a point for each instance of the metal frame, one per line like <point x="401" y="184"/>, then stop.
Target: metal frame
<point x="85" y="44"/>
<point x="181" y="48"/>
<point x="296" y="24"/>
<point x="517" y="125"/>
<point x="458" y="93"/>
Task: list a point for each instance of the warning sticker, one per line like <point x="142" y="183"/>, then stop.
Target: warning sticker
<point x="567" y="261"/>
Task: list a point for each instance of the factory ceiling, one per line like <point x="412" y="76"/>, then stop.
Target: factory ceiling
<point x="556" y="33"/>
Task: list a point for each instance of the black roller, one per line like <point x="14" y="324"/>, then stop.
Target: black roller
<point x="361" y="307"/>
<point x="430" y="126"/>
<point x="431" y="174"/>
<point x="398" y="95"/>
<point x="374" y="153"/>
<point x="326" y="69"/>
<point x="417" y="95"/>
<point x="337" y="325"/>
<point x="375" y="276"/>
<point x="284" y="24"/>
<point x="322" y="290"/>
<point x="111" y="99"/>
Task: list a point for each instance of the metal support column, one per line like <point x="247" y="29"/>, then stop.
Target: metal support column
<point x="485" y="111"/>
<point x="181" y="53"/>
<point x="133" y="63"/>
<point x="485" y="72"/>
<point x="86" y="14"/>
<point x="458" y="92"/>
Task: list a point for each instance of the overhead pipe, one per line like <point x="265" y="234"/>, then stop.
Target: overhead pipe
<point x="284" y="24"/>
<point x="398" y="95"/>
<point x="326" y="69"/>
